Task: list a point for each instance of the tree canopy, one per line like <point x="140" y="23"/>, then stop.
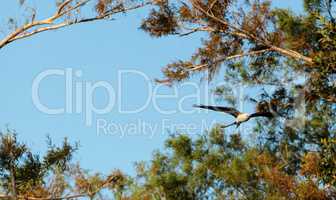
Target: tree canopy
<point x="253" y="43"/>
<point x="256" y="45"/>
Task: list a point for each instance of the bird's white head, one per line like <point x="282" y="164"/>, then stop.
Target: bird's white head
<point x="243" y="117"/>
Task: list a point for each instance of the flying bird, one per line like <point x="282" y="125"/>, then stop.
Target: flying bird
<point x="240" y="117"/>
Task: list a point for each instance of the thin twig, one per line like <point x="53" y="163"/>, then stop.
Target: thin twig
<point x="251" y="53"/>
<point x="62" y="6"/>
<point x="194" y="30"/>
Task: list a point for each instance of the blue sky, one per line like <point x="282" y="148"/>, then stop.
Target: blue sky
<point x="99" y="50"/>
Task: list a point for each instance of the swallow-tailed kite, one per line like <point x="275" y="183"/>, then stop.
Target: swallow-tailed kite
<point x="240" y="117"/>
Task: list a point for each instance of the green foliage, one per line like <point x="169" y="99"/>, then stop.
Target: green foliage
<point x="59" y="156"/>
<point x="257" y="45"/>
<point x="221" y="167"/>
<point x="327" y="164"/>
<point x="24" y="175"/>
<point x="19" y="164"/>
<point x="290" y="157"/>
<point x="161" y="21"/>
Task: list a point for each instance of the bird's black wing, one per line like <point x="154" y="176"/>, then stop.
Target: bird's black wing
<point x="262" y="114"/>
<point x="231" y="111"/>
<point x="225" y="126"/>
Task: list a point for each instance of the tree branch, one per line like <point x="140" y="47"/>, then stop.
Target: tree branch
<point x="168" y="81"/>
<point x="25" y="31"/>
<point x="245" y="34"/>
<point x="62" y="6"/>
<point x="13" y="181"/>
<point x="251" y="53"/>
<point x="194" y="30"/>
<point x="6" y="197"/>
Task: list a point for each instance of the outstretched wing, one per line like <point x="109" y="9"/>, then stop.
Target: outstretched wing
<point x="231" y="111"/>
<point x="225" y="126"/>
<point x="262" y="114"/>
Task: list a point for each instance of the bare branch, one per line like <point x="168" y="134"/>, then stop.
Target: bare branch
<point x="194" y="30"/>
<point x="61" y="13"/>
<point x="54" y="27"/>
<point x="17" y="32"/>
<point x="251" y="53"/>
<point x="35" y="26"/>
<point x="62" y="6"/>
